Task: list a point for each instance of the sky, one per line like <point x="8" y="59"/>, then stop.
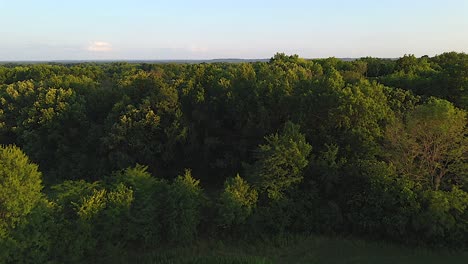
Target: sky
<point x="208" y="29"/>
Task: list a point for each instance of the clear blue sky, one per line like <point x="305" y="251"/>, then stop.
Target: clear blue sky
<point x="203" y="29"/>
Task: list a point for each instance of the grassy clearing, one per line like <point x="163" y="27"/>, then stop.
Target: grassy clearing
<point x="298" y="250"/>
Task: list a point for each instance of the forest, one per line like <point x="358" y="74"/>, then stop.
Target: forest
<point x="102" y="161"/>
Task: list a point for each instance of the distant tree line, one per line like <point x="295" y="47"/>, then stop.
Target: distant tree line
<point x="97" y="160"/>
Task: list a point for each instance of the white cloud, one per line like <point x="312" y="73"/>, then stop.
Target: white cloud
<point x="99" y="46"/>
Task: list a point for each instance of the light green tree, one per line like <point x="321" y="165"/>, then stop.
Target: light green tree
<point x="20" y="187"/>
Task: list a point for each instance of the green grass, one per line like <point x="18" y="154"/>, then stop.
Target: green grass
<point x="298" y="250"/>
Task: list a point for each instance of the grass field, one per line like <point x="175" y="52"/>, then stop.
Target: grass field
<point x="299" y="250"/>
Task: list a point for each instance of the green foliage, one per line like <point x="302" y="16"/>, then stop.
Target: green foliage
<point x="431" y="144"/>
<point x="236" y="202"/>
<point x="48" y="123"/>
<point x="20" y="188"/>
<point x="145" y="124"/>
<point x="280" y="161"/>
<point x="444" y="220"/>
<point x="91" y="217"/>
<point x="388" y="161"/>
<point x="276" y="217"/>
<point x="400" y="101"/>
<point x="32" y="240"/>
<point x="378" y="67"/>
<point x="329" y="167"/>
<point x="443" y="76"/>
<point x="360" y="119"/>
<point x="26" y="221"/>
<point x="451" y="80"/>
<point x="107" y="213"/>
<point x="145" y="217"/>
<point x="68" y="193"/>
<point x="382" y="204"/>
<point x="161" y="212"/>
<point x="183" y="207"/>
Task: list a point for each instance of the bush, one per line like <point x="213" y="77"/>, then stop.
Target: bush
<point x="93" y="220"/>
<point x="161" y="212"/>
<point x="145" y="218"/>
<point x="236" y="203"/>
<point x="276" y="217"/>
<point x="32" y="239"/>
<point x="385" y="205"/>
<point x="280" y="162"/>
<point x="444" y="219"/>
<point x="105" y="213"/>
<point x="182" y="213"/>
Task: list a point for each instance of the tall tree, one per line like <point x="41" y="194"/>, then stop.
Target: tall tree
<point x="431" y="143"/>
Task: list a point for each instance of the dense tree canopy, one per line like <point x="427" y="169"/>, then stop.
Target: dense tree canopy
<point x="371" y="147"/>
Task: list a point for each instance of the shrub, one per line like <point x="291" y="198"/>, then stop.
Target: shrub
<point x="236" y="202"/>
<point x="32" y="239"/>
<point x="184" y="202"/>
<point x="444" y="219"/>
<point x="93" y="219"/>
<point x="385" y="205"/>
<point x="280" y="162"/>
<point x="145" y="217"/>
